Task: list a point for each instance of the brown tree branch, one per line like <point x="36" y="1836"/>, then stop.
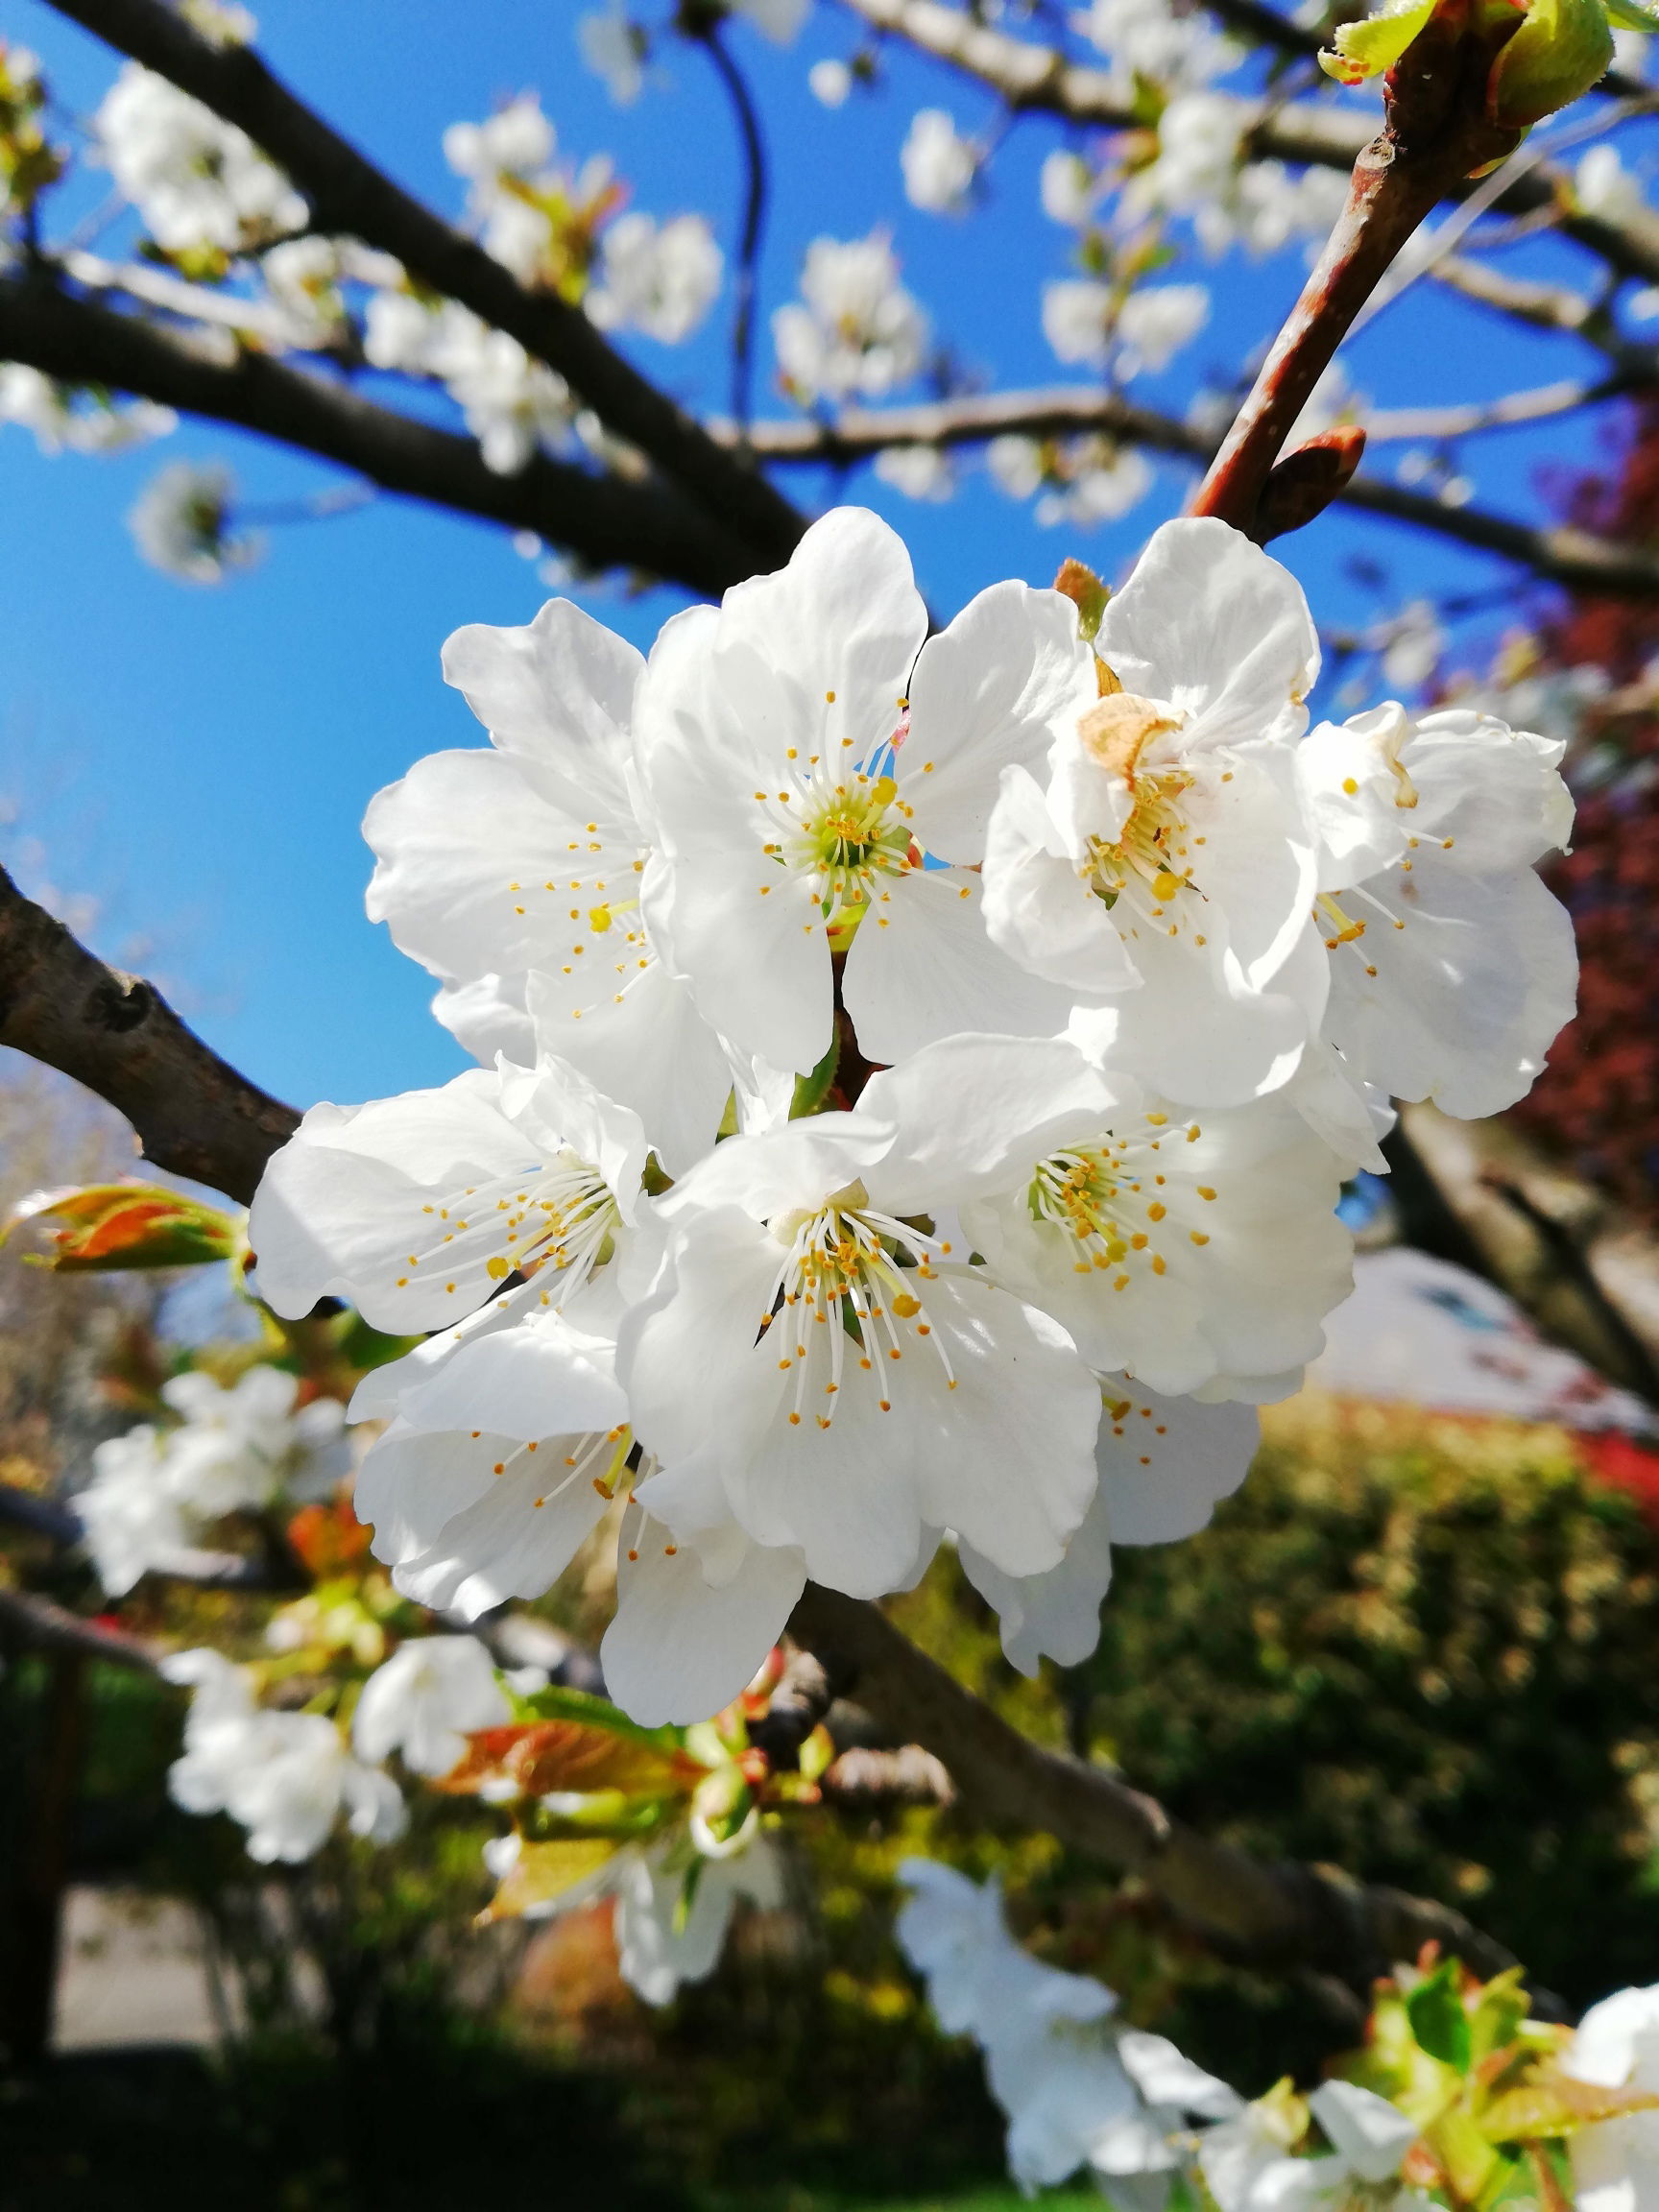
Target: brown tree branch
<point x="1305" y="133"/>
<point x="1435" y="133"/>
<point x="193" y="1115"/>
<point x="1279" y="1917"/>
<point x="1573" y="558"/>
<point x="607" y="521"/>
<point x="42" y="1626"/>
<point x="348" y="195"/>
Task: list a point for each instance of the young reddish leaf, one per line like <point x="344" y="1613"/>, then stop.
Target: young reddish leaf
<point x="542" y="1872"/>
<point x="120" y="1225"/>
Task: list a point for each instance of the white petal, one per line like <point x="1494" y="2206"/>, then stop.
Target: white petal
<point x="489" y="1018"/>
<point x="1470" y="990"/>
<point x="680" y="1650"/>
<point x="1165" y="1463"/>
<point x="1214" y="626"/>
<point x="343" y="1208"/>
<point x="974" y="1114"/>
<point x="921" y="967"/>
<point x="476" y="873"/>
<point x="1365" y="2129"/>
<point x="989" y="692"/>
<point x="1038" y="907"/>
<point x="559" y="690"/>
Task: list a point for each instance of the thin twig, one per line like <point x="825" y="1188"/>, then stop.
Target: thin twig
<point x="45" y="1626"/>
<point x="606" y="521"/>
<point x="754" y="222"/>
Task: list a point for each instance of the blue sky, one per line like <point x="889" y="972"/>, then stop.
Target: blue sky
<point x="199" y="760"/>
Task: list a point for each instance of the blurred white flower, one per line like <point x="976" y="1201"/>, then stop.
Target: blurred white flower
<point x="426" y="1700"/>
<point x="939" y="166"/>
<point x="857" y="331"/>
<point x="197" y="182"/>
<point x="830" y="82"/>
<point x="658" y="278"/>
<point x="1603" y="188"/>
<point x="1068" y="188"/>
<point x="182" y="524"/>
<point x="37" y="403"/>
<point x="919" y="471"/>
<point x="614" y="46"/>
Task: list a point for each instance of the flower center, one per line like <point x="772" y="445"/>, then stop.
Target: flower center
<point x="1148" y="865"/>
<point x="558" y="1215"/>
<point x="845" y="1306"/>
<point x="849" y="833"/>
<point x="1108" y="1199"/>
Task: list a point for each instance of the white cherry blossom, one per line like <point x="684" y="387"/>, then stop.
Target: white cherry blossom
<point x="184" y="523"/>
<point x="808" y="759"/>
<point x="658" y="278"/>
<point x="508" y="1446"/>
<point x="65" y="421"/>
<point x="661" y="1944"/>
<point x="939" y="165"/>
<point x="418" y="1209"/>
<point x="1190" y="1253"/>
<point x="849" y="1386"/>
<point x="285" y="1777"/>
<point x="238" y="1447"/>
<point x="1616" y="2162"/>
<point x="613" y="47"/>
<point x="1452" y="967"/>
<point x="195" y="181"/>
<point x="520" y="876"/>
<point x="1160" y="868"/>
<point x="130" y="1519"/>
<point x="856" y="332"/>
<point x="426" y="1700"/>
<point x="1247" y="2171"/>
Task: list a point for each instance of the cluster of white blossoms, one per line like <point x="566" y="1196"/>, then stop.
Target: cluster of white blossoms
<point x="855" y="332"/>
<point x="1079" y="481"/>
<point x="153" y="1490"/>
<point x="1081" y="2092"/>
<point x="65" y="421"/>
<point x="288" y="1777"/>
<point x="1137" y="961"/>
<point x="195" y="181"/>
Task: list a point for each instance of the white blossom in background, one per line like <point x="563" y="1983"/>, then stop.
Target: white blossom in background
<point x="1088" y="319"/>
<point x="514" y="407"/>
<point x="919" y="471"/>
<point x="1247" y="2169"/>
<point x="1603" y="188"/>
<point x="184" y="523"/>
<point x="1069" y="188"/>
<point x="1084" y="481"/>
<point x="153" y="1490"/>
<point x="1414" y="644"/>
<point x="1078" y="2090"/>
<point x="60" y="425"/>
<point x="426" y="1700"/>
<point x="830" y="82"/>
<point x="130" y="1520"/>
<point x="1616" y="2162"/>
<point x="287" y="1778"/>
<point x="196" y="182"/>
<point x="614" y="48"/>
<point x="856" y="332"/>
<point x="239" y="1447"/>
<point x="303" y="277"/>
<point x="664" y="1939"/>
<point x="939" y="165"/>
<point x="658" y="278"/>
<point x="1175" y="48"/>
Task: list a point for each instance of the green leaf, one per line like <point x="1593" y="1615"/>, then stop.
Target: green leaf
<point x="1549" y="2104"/>
<point x="543" y="1872"/>
<point x="1631" y="15"/>
<point x="1501" y="2008"/>
<point x="1438" y="2020"/>
<point x="556" y="1704"/>
<point x="811" y="1091"/>
<point x="1561" y="49"/>
<point x="1366" y="49"/>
